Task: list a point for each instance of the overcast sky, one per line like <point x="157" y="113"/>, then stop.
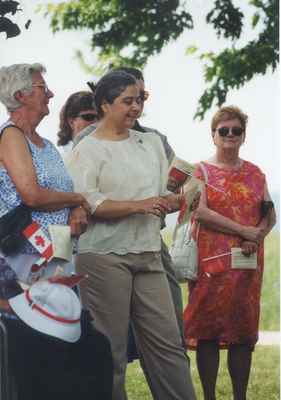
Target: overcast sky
<point x="174" y="80"/>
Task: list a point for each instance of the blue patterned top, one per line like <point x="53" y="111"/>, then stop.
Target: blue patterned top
<point x="51" y="174"/>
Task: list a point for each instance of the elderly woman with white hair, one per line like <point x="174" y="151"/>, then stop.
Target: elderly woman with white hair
<point x="32" y="173"/>
<point x="31" y="169"/>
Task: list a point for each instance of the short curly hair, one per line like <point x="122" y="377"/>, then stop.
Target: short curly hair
<point x="15" y="78"/>
<point x="227" y="113"/>
<point x="77" y="102"/>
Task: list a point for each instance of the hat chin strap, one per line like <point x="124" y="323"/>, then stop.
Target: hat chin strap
<point x="46" y="313"/>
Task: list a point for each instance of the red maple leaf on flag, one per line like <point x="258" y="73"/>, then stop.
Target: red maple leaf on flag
<point x="39" y="240"/>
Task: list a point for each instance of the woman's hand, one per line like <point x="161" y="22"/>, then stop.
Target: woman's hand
<point x="78" y="221"/>
<point x="84" y="204"/>
<point x="175" y="201"/>
<point x="249" y="248"/>
<point x="253" y="233"/>
<point x="195" y="203"/>
<point x="158" y="206"/>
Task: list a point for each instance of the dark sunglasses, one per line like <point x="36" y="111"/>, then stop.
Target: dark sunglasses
<point x="88" y="117"/>
<point x="235" y="130"/>
<point x="144" y="95"/>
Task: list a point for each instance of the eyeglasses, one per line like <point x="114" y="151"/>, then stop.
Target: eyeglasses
<point x="144" y="95"/>
<point x="87" y="117"/>
<point x="235" y="130"/>
<point x="42" y="85"/>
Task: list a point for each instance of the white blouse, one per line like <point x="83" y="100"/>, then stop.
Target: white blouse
<point x="135" y="168"/>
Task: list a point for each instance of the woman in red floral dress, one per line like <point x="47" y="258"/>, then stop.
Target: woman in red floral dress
<point x="223" y="309"/>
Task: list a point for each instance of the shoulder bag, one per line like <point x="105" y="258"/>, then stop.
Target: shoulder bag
<point x="11" y="226"/>
<point x="184" y="250"/>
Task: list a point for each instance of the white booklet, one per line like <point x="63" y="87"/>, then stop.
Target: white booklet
<point x="61" y="241"/>
<point x="239" y="261"/>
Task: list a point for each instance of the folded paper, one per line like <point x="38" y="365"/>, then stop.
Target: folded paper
<point x="239" y="261"/>
<point x="61" y="241"/>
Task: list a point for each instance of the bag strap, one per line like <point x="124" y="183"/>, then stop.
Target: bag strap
<point x="188" y="228"/>
<point x="204" y="172"/>
<point x="205" y="176"/>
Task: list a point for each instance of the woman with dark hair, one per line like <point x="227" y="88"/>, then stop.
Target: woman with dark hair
<point x="123" y="175"/>
<point x="224" y="303"/>
<point x="78" y="112"/>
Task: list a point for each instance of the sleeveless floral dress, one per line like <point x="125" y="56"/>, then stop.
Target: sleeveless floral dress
<point x="224" y="303"/>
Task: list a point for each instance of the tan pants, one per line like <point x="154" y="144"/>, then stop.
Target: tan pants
<point x="174" y="287"/>
<point x="135" y="286"/>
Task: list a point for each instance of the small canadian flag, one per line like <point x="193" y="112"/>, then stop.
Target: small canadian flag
<point x="35" y="235"/>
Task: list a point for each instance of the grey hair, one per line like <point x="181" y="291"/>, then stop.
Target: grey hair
<point x="14" y="78"/>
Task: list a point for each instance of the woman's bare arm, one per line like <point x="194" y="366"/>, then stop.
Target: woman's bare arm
<point x="111" y="209"/>
<point x="217" y="222"/>
<point x="16" y="158"/>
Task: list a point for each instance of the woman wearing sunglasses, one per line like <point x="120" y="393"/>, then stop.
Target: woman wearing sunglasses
<point x="223" y="309"/>
<point x="78" y="112"/>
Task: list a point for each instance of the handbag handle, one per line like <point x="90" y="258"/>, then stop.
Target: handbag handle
<point x="204" y="172"/>
<point x="205" y="176"/>
<point x="186" y="234"/>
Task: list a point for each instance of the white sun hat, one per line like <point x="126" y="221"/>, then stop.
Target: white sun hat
<point x="50" y="308"/>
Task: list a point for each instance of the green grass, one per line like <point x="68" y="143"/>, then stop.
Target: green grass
<point x="270" y="304"/>
<point x="263" y="384"/>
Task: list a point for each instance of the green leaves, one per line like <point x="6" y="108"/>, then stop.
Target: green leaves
<point x="255" y="19"/>
<point x="128" y="32"/>
<point x="226" y="19"/>
<point x="139" y="28"/>
<point x="234" y="67"/>
<point x="191" y="50"/>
